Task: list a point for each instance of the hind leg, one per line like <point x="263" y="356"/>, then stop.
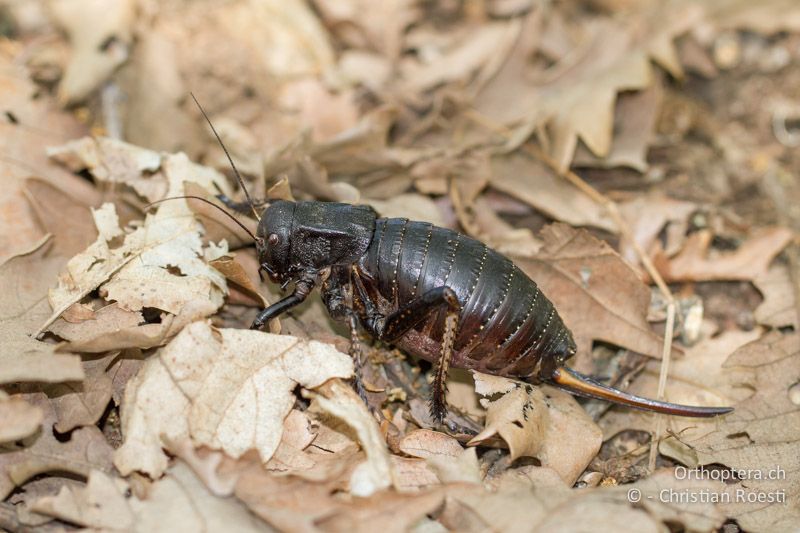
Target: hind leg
<point x="414" y="314"/>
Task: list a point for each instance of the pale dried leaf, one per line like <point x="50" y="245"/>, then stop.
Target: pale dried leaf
<point x="227" y="389"/>
<point x="179" y="501"/>
<point x="411" y="206"/>
<point x="154" y="88"/>
<point x="100" y="33"/>
<point x="541" y="422"/>
<point x="463" y="468"/>
<point x="169" y="273"/>
<point x="20" y="419"/>
<point x="647" y="217"/>
<point x="324" y="112"/>
<point x="474" y="50"/>
<point x="54" y="206"/>
<point x="635" y="117"/>
<point x="42" y="453"/>
<point x="375" y="473"/>
<point x="779" y="308"/>
<point x="108" y="328"/>
<point x="425" y="443"/>
<point x="24" y="279"/>
<point x="145" y="171"/>
<point x="761" y="435"/>
<point x="297" y="435"/>
<point x="411" y="474"/>
<point x="697" y="263"/>
<point x="577" y="100"/>
<point x="38" y="123"/>
<point x="82" y="404"/>
<point x="365" y="24"/>
<point x="100" y="504"/>
<point x="531" y="181"/>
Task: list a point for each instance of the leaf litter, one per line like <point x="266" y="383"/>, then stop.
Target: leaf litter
<point x="134" y="398"/>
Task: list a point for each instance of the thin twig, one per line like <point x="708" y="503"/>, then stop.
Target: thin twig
<point x="666" y="354"/>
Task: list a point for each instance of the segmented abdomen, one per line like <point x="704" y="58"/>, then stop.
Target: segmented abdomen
<point x="506" y="325"/>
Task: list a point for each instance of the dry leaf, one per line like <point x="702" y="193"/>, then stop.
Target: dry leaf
<point x="32" y="491"/>
<point x="82" y="404"/>
<point x="297" y="435"/>
<point x="227" y="389"/>
<point x="168" y="273"/>
<point x="24" y="280"/>
<point x="375" y="473"/>
<point x="325" y="113"/>
<point x="100" y="33"/>
<point x="648" y="216"/>
<point x="289" y="502"/>
<point x="425" y="443"/>
<point x="584" y="277"/>
<point x="234" y="272"/>
<point x="109" y="328"/>
<point x="411" y="206"/>
<point x="100" y="504"/>
<point x="759" y="437"/>
<point x="475" y="48"/>
<point x="411" y="475"/>
<point x="463" y="468"/>
<point x="152" y="113"/>
<point x="779" y="308"/>
<point x="485" y="225"/>
<point x="577" y="99"/>
<point x="635" y="115"/>
<point x="42" y="453"/>
<point x="292" y="504"/>
<point x="531" y="181"/>
<point x="37" y="123"/>
<point x="444" y="456"/>
<point x="541" y="422"/>
<point x="152" y="175"/>
<point x="67" y="219"/>
<point x="20" y="419"/>
<point x="696" y="263"/>
<point x="179" y="501"/>
<point x="364" y="24"/>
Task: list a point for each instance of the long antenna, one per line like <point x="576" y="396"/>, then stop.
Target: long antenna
<point x="230" y="159"/>
<point x="148" y="206"/>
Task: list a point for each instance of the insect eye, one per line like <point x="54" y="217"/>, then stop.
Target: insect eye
<point x="273" y="239"/>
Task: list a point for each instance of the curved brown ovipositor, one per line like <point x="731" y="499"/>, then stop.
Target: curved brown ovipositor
<point x="575" y="382"/>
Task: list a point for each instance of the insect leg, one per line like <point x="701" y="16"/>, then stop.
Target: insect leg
<point x="413" y="314"/>
<point x="438" y="403"/>
<point x="358" y="358"/>
<point x="301" y="291"/>
<point x="337" y="295"/>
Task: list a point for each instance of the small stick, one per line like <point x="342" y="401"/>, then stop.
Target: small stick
<point x="666" y="354"/>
